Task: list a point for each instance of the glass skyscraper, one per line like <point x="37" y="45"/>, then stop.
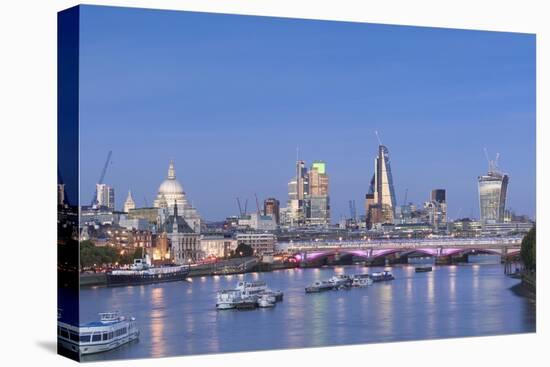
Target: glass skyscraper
<point x="381" y="197"/>
<point x="492" y="196"/>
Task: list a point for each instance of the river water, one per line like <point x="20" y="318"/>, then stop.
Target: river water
<point x="180" y="318"/>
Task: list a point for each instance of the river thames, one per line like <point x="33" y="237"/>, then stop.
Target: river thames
<point x="180" y="318"/>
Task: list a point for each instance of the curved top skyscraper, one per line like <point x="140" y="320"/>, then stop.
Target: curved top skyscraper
<point x="492" y="195"/>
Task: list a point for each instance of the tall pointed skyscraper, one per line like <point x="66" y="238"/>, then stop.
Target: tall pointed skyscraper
<point x="380" y="201"/>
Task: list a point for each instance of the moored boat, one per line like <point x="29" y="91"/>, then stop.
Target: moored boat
<point x="227" y="299"/>
<point x="361" y="280"/>
<point x="142" y="272"/>
<point x="382" y="276"/>
<point x="320" y="286"/>
<point x="247" y="303"/>
<point x="266" y="301"/>
<point x="341" y="281"/>
<point x="110" y="332"/>
<point x="257" y="289"/>
<point x="422" y="269"/>
<point x="247" y="295"/>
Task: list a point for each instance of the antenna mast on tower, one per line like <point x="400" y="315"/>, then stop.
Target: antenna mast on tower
<point x="378" y="137"/>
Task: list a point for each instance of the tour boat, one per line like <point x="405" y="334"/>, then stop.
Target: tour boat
<point x="227" y="299"/>
<point x="110" y="332"/>
<point x="246" y="293"/>
<point x="266" y="301"/>
<point x="142" y="272"/>
<point x="320" y="286"/>
<point x="257" y="289"/>
<point x="341" y="281"/>
<point x="251" y="289"/>
<point x="277" y="295"/>
<point x="247" y="303"/>
<point x="361" y="280"/>
<point x="382" y="276"/>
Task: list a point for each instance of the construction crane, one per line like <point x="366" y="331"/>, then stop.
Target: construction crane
<point x="352" y="210"/>
<point x="103" y="172"/>
<point x="241" y="212"/>
<point x="240" y="208"/>
<point x="257" y="204"/>
<point x="493" y="164"/>
<point x="458" y="213"/>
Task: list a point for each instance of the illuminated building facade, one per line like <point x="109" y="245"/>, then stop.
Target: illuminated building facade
<point x="492" y="195"/>
<point x="105" y="196"/>
<point x="318" y="203"/>
<point x="129" y="204"/>
<point x="170" y="194"/>
<point x="380" y="200"/>
<point x="271" y="207"/>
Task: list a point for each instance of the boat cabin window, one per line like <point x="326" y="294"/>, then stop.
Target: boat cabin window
<point x="73" y="336"/>
<point x="96" y="338"/>
<point x="105" y="336"/>
<point x="85" y="338"/>
<point x="111" y="335"/>
<point x="120" y="332"/>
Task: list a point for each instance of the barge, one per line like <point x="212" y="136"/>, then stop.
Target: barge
<point x="141" y="272"/>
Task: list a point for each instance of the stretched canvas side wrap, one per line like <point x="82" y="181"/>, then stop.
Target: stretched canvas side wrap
<point x="231" y="183"/>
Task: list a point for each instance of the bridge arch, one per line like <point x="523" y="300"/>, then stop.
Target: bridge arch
<point x="463" y="251"/>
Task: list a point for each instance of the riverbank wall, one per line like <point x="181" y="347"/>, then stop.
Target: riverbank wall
<point x="529" y="281"/>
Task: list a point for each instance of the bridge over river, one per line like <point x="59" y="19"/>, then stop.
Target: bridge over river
<point x="368" y="249"/>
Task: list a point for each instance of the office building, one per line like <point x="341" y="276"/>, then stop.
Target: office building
<point x="271" y="207"/>
<point x="492" y="195"/>
<point x="105" y="196"/>
<point x="261" y="243"/>
<point x="380" y="200"/>
<point x="318" y="202"/>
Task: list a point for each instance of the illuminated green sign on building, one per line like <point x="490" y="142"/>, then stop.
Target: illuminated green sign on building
<point x="320" y="166"/>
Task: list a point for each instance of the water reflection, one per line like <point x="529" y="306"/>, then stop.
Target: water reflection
<point x="180" y="318"/>
<point x="157" y="322"/>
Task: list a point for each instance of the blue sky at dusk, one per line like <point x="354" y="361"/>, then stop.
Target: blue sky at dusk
<point x="229" y="98"/>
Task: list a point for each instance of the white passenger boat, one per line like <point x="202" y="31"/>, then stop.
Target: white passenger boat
<point x="266" y="301"/>
<point x="227" y="299"/>
<point x="251" y="289"/>
<point x="341" y="280"/>
<point x="360" y="281"/>
<point x="110" y="332"/>
<point x="257" y="289"/>
<point x="382" y="276"/>
<point x="320" y="286"/>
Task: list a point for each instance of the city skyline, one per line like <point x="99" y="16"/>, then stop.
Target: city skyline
<point x="251" y="208"/>
<point x="437" y="98"/>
